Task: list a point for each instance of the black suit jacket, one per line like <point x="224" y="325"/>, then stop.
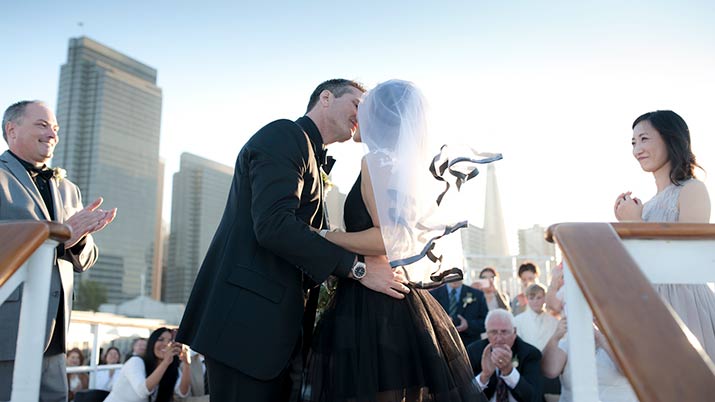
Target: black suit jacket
<point x="530" y="385"/>
<point x="472" y="306"/>
<point x="246" y="306"/>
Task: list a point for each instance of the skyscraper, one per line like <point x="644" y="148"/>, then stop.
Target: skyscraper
<point x="109" y="109"/>
<point x="199" y="195"/>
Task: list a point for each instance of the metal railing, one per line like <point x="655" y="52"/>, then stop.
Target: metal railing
<point x="97" y="320"/>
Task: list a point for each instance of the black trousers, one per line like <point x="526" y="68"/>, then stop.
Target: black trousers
<point x="231" y="385"/>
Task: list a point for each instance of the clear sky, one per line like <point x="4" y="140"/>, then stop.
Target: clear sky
<point x="553" y="85"/>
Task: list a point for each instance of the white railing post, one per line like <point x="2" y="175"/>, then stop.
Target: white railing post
<point x="33" y="322"/>
<point x="94" y="356"/>
<point x="581" y="343"/>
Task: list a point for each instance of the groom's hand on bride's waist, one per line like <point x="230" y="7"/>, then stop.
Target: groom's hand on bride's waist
<point x="380" y="277"/>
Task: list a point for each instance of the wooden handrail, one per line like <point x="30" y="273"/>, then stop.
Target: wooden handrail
<point x="690" y="231"/>
<point x="646" y="336"/>
<point x="19" y="239"/>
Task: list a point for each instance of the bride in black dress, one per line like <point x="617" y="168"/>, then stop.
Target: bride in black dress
<point x="369" y="347"/>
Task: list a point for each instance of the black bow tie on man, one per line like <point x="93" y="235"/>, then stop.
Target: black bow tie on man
<point x="326" y="161"/>
<point x="44" y="172"/>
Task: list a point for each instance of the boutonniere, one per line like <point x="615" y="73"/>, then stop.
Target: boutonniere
<point x="327" y="184"/>
<point x="466" y="300"/>
<point x="515" y="362"/>
<point x="58" y="173"/>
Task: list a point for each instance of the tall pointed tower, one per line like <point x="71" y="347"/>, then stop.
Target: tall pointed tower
<point x="496" y="244"/>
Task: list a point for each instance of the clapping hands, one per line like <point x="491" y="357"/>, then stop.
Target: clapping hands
<point x="89" y="220"/>
<point x="493" y="357"/>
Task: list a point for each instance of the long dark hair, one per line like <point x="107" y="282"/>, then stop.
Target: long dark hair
<point x="168" y="380"/>
<point x="676" y="136"/>
<point x="111" y="348"/>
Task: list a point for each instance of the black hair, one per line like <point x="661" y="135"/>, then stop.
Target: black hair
<point x="528" y="267"/>
<point x="337" y="86"/>
<point x="676" y="136"/>
<point x="168" y="380"/>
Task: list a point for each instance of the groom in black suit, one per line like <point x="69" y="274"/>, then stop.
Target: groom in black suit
<point x="467" y="307"/>
<point x="246" y="309"/>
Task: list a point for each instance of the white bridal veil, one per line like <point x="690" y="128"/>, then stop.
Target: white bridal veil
<point x="415" y="181"/>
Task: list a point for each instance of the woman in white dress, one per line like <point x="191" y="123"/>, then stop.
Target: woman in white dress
<point x="661" y="144"/>
<point x="105" y="378"/>
<point x="157" y="376"/>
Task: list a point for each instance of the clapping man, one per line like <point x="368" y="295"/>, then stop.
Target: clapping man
<point x="31" y="190"/>
<point x="506" y="368"/>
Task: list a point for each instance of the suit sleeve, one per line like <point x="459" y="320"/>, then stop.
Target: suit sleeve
<point x="84" y="254"/>
<point x="530" y="385"/>
<point x="276" y="170"/>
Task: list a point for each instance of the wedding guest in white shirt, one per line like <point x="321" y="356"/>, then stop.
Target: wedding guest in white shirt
<point x="535" y="326"/>
<point x="105" y="378"/>
<point x="156" y="377"/>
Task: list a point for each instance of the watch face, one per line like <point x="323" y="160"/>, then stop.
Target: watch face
<point x="359" y="270"/>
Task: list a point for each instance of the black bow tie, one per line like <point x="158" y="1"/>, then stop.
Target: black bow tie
<point x="328" y="165"/>
<point x="44" y="172"/>
<point x="326" y="161"/>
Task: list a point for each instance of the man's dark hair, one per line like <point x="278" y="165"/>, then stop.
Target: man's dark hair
<point x="489" y="269"/>
<point x="338" y="87"/>
<point x="528" y="267"/>
<point x="14" y="114"/>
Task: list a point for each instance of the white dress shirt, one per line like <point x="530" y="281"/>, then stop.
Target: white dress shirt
<point x="510" y="380"/>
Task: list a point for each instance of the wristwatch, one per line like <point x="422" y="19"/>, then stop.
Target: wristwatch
<point x="359" y="269"/>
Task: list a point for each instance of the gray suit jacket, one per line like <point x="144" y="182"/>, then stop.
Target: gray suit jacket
<point x="20" y="200"/>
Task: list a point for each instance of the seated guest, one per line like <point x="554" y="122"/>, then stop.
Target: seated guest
<point x="535" y="326"/>
<point x="507" y="368"/>
<point x="467" y="307"/>
<point x="156" y="376"/>
<point x="495" y="299"/>
<point x="138" y="348"/>
<point x="528" y="274"/>
<point x="612" y="384"/>
<point x="76" y="381"/>
<point x="105" y="378"/>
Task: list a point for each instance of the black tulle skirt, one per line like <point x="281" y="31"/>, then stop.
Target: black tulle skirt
<point x="370" y="347"/>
